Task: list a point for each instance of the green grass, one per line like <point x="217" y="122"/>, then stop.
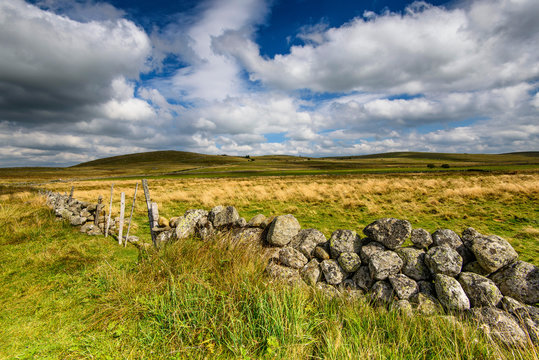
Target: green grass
<point x="68" y="295"/>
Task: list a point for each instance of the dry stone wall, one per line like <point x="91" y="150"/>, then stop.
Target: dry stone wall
<point x="475" y="274"/>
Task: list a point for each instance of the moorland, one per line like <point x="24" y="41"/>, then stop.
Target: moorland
<point x="67" y="295"/>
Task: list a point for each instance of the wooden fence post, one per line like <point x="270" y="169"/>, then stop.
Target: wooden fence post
<point x="149" y="206"/>
<point x="122" y="210"/>
<point x="131" y="216"/>
<point x="110" y="211"/>
<point x="70" y="195"/>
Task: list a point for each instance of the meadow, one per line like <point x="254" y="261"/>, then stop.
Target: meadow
<point x="68" y="295"/>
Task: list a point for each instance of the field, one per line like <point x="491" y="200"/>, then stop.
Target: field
<point x="67" y="295"/>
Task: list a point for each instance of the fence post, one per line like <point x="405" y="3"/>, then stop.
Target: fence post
<point x="122" y="210"/>
<point x="110" y="211"/>
<point x="131" y="216"/>
<point x="149" y="206"/>
<point x="71" y="194"/>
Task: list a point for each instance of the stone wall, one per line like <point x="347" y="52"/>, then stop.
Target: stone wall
<point x="471" y="273"/>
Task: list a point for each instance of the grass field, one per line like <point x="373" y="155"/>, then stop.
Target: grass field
<point x="67" y="295"/>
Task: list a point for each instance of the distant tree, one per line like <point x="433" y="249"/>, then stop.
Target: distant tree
<point x="431" y="166"/>
<point x="445" y="166"/>
<point x="247" y="156"/>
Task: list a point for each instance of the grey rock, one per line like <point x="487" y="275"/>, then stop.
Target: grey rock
<point x="443" y="260"/>
<point x="333" y="273"/>
<point x="163" y="237"/>
<point x="282" y="229"/>
<point x="385" y="264"/>
<point x="185" y="225"/>
<point x="474" y="267"/>
<point x="77" y="220"/>
<point x="347" y="284"/>
<point x="203" y="228"/>
<point x="526" y="315"/>
<point x="403" y="286"/>
<point x="221" y="216"/>
<point x="519" y="280"/>
<point x="369" y="250"/>
<point x="321" y="253"/>
<point x="363" y="278"/>
<point x="446" y="237"/>
<point x="343" y="241"/>
<point x="283" y="274"/>
<point x="85" y="213"/>
<point x="292" y="258"/>
<point x="327" y="290"/>
<point x="382" y="292"/>
<point x="403" y="307"/>
<point x="450" y="293"/>
<point x="90" y="229"/>
<point x="426" y="287"/>
<point x="468" y="236"/>
<point x="414" y="263"/>
<point x="500" y="325"/>
<point x="349" y="262"/>
<point x="425" y="303"/>
<point x="389" y="231"/>
<point x="241" y="222"/>
<point x="480" y="290"/>
<point x="311" y="272"/>
<point x="257" y="221"/>
<point x="493" y="252"/>
<point x="421" y="238"/>
<point x="306" y="241"/>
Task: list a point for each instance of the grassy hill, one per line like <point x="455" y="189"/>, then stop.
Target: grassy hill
<point x="187" y="164"/>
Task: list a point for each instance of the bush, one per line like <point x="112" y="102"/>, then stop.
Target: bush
<point x="445" y="166"/>
<point x="431" y="166"/>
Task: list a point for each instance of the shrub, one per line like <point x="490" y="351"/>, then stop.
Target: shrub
<point x="445" y="166"/>
<point x="431" y="166"/>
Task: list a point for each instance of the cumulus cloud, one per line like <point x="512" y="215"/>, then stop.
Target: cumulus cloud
<point x="425" y="49"/>
<point x="459" y="79"/>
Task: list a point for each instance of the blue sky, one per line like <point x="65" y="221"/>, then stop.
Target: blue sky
<point x="81" y="80"/>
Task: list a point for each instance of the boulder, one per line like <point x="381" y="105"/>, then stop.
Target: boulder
<point x="282" y="229"/>
<point x="90" y="229"/>
<point x="468" y="236"/>
<point x="382" y="292"/>
<point x="327" y="290"/>
<point x="163" y="238"/>
<point x="292" y="258"/>
<point x="203" y="228"/>
<point x="426" y="287"/>
<point x="414" y="263"/>
<point x="385" y="264"/>
<point x="163" y="222"/>
<point x="221" y="216"/>
<point x="85" y="213"/>
<point x="241" y="222"/>
<point x="306" y="241"/>
<point x="185" y="225"/>
<point x="311" y="272"/>
<point x="343" y="241"/>
<point x="77" y="220"/>
<point x="443" y="260"/>
<point x="527" y="316"/>
<point x="389" y="231"/>
<point x="349" y="262"/>
<point x="474" y="267"/>
<point x="403" y="286"/>
<point x="363" y="278"/>
<point x="173" y="221"/>
<point x="421" y="238"/>
<point x="446" y="237"/>
<point x="493" y="252"/>
<point x="480" y="290"/>
<point x="500" y="325"/>
<point x="283" y="274"/>
<point x="425" y="303"/>
<point x="403" y="307"/>
<point x="369" y="250"/>
<point x="321" y="253"/>
<point x="333" y="273"/>
<point x="450" y="293"/>
<point x="257" y="221"/>
<point x="519" y="280"/>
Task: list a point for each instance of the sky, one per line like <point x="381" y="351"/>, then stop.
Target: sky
<point x="81" y="80"/>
